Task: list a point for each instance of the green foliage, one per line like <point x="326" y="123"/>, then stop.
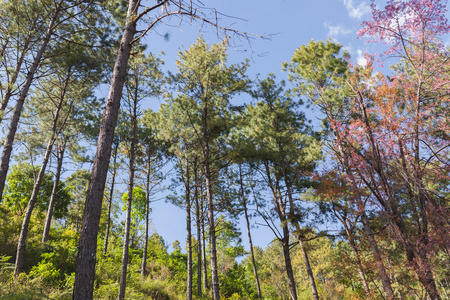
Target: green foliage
<point x="139" y="199"/>
<point x="51" y="266"/>
<point x="57" y="259"/>
<point x="77" y="184"/>
<point x="46" y="270"/>
<point x="235" y="284"/>
<point x="165" y="272"/>
<point x="20" y="182"/>
<point x="229" y="244"/>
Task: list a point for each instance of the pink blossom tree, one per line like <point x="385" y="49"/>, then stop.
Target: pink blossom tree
<point x="391" y="132"/>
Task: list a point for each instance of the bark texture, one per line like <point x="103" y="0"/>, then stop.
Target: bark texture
<point x="86" y="259"/>
<point x="287" y="262"/>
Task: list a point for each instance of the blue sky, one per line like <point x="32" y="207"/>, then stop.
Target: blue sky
<point x="288" y="25"/>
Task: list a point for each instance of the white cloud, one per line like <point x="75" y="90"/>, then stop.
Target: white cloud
<point x="356" y="11"/>
<point x="334" y="31"/>
<point x="356" y="53"/>
<point x="360" y="59"/>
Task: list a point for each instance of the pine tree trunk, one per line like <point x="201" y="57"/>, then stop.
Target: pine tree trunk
<point x="147" y="214"/>
<point x="37" y="185"/>
<point x="244" y="203"/>
<point x="51" y="205"/>
<point x="212" y="236"/>
<point x="203" y="240"/>
<point x="209" y="198"/>
<point x="20" y="256"/>
<point x="199" y="235"/>
<point x="294" y="220"/>
<point x="126" y="239"/>
<point x="111" y="194"/>
<point x="287" y="261"/>
<point x="280" y="208"/>
<point x="309" y="271"/>
<point x="86" y="259"/>
<point x="9" y="138"/>
<point x="188" y="231"/>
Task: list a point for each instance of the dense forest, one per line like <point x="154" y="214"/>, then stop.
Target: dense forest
<point x="365" y="148"/>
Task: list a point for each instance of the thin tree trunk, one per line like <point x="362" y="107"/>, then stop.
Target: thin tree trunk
<point x="386" y="282"/>
<point x="212" y="236"/>
<point x="280" y="208"/>
<point x="203" y="239"/>
<point x="244" y="203"/>
<point x="212" y="229"/>
<point x="287" y="261"/>
<point x="147" y="213"/>
<point x="188" y="231"/>
<point x="111" y="194"/>
<point x="309" y="271"/>
<point x="199" y="234"/>
<point x="86" y="259"/>
<point x="9" y="139"/>
<point x="27" y="217"/>
<point x="51" y="205"/>
<point x="37" y="185"/>
<point x="294" y="220"/>
<point x="126" y="239"/>
<point x="416" y="256"/>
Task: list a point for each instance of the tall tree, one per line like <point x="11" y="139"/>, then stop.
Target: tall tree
<point x="239" y="155"/>
<point x="60" y="14"/>
<point x="7" y="147"/>
<point x="152" y="159"/>
<point x="320" y="74"/>
<point x="141" y="82"/>
<point x="388" y="136"/>
<point x="69" y="86"/>
<point x="285" y="151"/>
<point x="194" y="10"/>
<point x="133" y="101"/>
<point x="244" y="201"/>
<point x="206" y="85"/>
<point x="61" y="148"/>
<point x="55" y="129"/>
